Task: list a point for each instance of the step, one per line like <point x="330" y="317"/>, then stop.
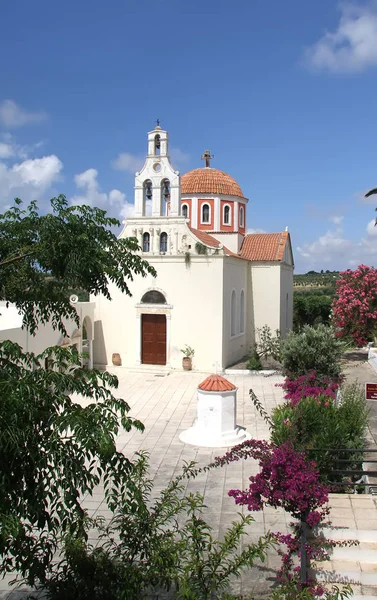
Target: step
<point x="363" y="578"/>
<point x="345" y="533"/>
<point x="355" y="554"/>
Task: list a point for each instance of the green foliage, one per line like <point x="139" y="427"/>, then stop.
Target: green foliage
<point x="188" y="352"/>
<point x="319" y="424"/>
<point x="42" y="257"/>
<point x="53" y="450"/>
<point x="268" y="345"/>
<point x="311" y="309"/>
<point x="313" y="279"/>
<point x="201" y="248"/>
<point x="153" y="545"/>
<point x="312" y="349"/>
<point x="187" y="259"/>
<point x="254" y="362"/>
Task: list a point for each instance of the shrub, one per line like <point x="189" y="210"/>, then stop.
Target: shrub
<point x="268" y="345"/>
<point x="254" y="362"/>
<point x="153" y="545"/>
<point x="310" y="384"/>
<point x="354" y="308"/>
<point x="312" y="349"/>
<point x="318" y="424"/>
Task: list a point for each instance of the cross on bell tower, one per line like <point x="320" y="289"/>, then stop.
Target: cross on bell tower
<point x="207" y="156"/>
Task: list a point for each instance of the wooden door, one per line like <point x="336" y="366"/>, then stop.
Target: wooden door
<point x="153" y="339"/>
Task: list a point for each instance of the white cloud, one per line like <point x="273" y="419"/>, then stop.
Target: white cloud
<point x="336" y="219"/>
<point x="255" y="231"/>
<point x="131" y="163"/>
<point x="6" y="150"/>
<point x="334" y="249"/>
<point x="352" y="47"/>
<point x="28" y="179"/>
<point x="92" y="195"/>
<point x="10" y="149"/>
<point x="128" y="162"/>
<point x="12" y="115"/>
<point x="178" y="157"/>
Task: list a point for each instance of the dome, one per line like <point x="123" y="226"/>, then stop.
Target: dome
<point x="209" y="181"/>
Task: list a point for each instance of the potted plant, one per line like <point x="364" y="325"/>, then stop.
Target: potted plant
<point x="188" y="353"/>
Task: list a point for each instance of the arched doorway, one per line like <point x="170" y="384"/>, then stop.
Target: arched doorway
<point x="153" y="330"/>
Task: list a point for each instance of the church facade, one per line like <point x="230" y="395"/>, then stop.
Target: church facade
<point x="215" y="285"/>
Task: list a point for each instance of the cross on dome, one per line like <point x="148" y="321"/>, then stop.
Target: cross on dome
<point x="207" y="156"/>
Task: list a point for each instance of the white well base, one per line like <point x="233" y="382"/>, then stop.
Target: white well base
<point x="200" y="436"/>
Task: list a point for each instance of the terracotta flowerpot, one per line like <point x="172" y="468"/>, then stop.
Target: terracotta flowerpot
<point x="187" y="363"/>
<point x="117" y="361"/>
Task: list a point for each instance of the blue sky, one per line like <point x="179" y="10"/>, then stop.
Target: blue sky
<point x="282" y="93"/>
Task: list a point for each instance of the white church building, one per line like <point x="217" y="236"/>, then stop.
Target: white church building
<point x="215" y="285"/>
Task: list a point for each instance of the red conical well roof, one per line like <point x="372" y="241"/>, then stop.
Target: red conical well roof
<point x="216" y="383"/>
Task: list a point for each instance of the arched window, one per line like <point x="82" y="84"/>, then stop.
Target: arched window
<point x="163" y="242"/>
<point x="153" y="297"/>
<point x="242" y="216"/>
<point x="226" y="215"/>
<point x="157" y="144"/>
<point x="165" y="189"/>
<point x="206" y="213"/>
<point x="185" y="211"/>
<point x="242" y="312"/>
<point x="146" y="242"/>
<point x="147" y="196"/>
<point x="233" y="314"/>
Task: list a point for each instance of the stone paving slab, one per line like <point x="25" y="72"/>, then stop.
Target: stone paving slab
<point x="167" y="406"/>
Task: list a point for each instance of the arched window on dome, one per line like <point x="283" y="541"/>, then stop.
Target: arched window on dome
<point x="233" y="314"/>
<point x="157" y="145"/>
<point x="242" y="312"/>
<point x="146" y="242"/>
<point x="185" y="211"/>
<point x="164" y="242"/>
<point x="227" y="215"/>
<point x="242" y="216"/>
<point x="206" y="214"/>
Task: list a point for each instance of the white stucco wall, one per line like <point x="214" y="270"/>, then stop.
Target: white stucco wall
<point x="235" y="278"/>
<point x="194" y="294"/>
<point x="266" y="295"/>
<point x="45" y="336"/>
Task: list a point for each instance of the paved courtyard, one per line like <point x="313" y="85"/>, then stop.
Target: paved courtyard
<point x="166" y="404"/>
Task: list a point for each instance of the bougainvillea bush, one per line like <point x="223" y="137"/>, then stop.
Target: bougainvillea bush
<point x="311" y="384"/>
<point x="319" y="424"/>
<point x="355" y="305"/>
<point x="288" y="480"/>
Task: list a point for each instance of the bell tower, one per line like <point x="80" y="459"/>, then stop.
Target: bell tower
<point x="157" y="182"/>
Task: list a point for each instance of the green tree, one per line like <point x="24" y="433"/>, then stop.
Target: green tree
<point x="310" y="309"/>
<point x="42" y="257"/>
<point x="53" y="450"/>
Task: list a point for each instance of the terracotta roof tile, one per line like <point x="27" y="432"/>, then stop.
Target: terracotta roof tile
<point x="209" y="240"/>
<point x="205" y="238"/>
<point x="264" y="246"/>
<point x="216" y="383"/>
<point x="209" y="181"/>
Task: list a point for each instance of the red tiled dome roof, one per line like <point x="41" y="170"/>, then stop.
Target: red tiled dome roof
<point x="209" y="181"/>
<point x="216" y="383"/>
